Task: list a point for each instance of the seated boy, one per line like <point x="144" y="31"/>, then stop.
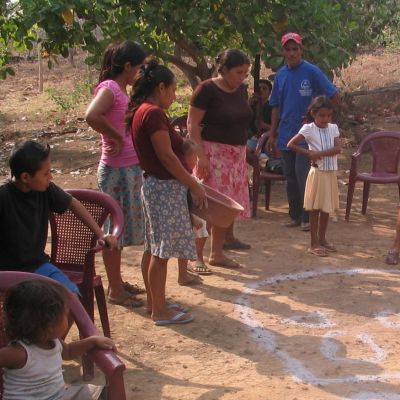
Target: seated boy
<point x="25" y="203"/>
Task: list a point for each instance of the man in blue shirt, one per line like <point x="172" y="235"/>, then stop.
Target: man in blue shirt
<point x="295" y="85"/>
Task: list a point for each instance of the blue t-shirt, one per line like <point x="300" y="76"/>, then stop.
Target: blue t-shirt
<point x="292" y="92"/>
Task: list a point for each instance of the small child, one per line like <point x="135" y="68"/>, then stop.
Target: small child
<point x="321" y="196"/>
<point x="36" y="318"/>
<point x="199" y="228"/>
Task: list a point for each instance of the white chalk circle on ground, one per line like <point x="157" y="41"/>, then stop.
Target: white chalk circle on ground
<point x="384" y="318"/>
<point x="315" y="319"/>
<point x="294" y="367"/>
<point x="374" y="396"/>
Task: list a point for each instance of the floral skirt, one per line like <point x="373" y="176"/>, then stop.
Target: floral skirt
<point x="321" y="192"/>
<point x="124" y="185"/>
<point x="228" y="172"/>
<point x="168" y="228"/>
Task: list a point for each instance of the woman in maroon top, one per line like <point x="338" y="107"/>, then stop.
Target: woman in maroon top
<point x="168" y="229"/>
<point x="219" y="118"/>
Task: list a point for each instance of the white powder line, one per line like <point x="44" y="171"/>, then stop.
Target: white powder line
<point x="383" y="318"/>
<point x="374" y="396"/>
<point x="268" y="338"/>
<point x="299" y="320"/>
<point x="329" y="348"/>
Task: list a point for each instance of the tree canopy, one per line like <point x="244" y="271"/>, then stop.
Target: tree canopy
<point x="188" y="33"/>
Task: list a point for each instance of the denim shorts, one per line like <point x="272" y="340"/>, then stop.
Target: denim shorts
<point x="51" y="271"/>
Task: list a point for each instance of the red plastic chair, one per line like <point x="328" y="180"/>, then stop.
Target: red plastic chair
<point x="73" y="248"/>
<point x="384" y="148"/>
<point x="180" y="125"/>
<point x="261" y="176"/>
<point x="106" y="360"/>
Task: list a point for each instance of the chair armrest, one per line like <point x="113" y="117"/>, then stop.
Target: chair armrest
<point x="107" y="361"/>
<point x="261" y="142"/>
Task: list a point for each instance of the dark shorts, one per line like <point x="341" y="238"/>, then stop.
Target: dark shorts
<point x="51" y="271"/>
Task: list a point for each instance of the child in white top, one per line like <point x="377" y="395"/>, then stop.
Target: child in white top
<point x="36" y="318"/>
<point x="321" y="196"/>
<point x="189" y="149"/>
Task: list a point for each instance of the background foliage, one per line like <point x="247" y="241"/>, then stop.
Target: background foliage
<point x="190" y="33"/>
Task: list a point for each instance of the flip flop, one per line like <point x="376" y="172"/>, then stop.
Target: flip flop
<point x="201" y="268"/>
<point x="318" y="251"/>
<point x="176" y="319"/>
<point x="236" y="244"/>
<point x="329" y="247"/>
<point x="392" y="257"/>
<point x="226" y="263"/>
<point x="176" y="307"/>
<point x="126" y="300"/>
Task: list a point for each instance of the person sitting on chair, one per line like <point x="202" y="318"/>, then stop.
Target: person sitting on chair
<point x="25" y="203"/>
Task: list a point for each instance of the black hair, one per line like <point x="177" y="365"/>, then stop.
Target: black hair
<point x="231" y="58"/>
<point x="316" y="104"/>
<point x="117" y="55"/>
<point x="30" y="307"/>
<point x="148" y="79"/>
<point x="27" y="157"/>
<point x="266" y="82"/>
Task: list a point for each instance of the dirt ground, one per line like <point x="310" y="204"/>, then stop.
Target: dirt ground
<point x="289" y="325"/>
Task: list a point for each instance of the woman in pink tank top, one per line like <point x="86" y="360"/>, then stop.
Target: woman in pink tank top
<point x="119" y="173"/>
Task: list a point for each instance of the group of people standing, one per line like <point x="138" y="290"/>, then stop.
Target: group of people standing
<point x="144" y="167"/>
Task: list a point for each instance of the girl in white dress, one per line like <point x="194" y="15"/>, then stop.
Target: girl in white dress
<point x="321" y="195"/>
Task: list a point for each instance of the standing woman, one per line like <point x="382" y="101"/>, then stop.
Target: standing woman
<point x="218" y="121"/>
<point x="119" y="173"/>
<point x="168" y="229"/>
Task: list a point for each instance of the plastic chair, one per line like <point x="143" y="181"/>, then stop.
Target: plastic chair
<point x="106" y="360"/>
<point x="261" y="175"/>
<point x="73" y="248"/>
<point x="180" y="125"/>
<point x="384" y="148"/>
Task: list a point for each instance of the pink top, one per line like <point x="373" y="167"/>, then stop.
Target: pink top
<point x="116" y="118"/>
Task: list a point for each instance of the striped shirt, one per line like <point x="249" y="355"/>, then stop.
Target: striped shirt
<point x="320" y="139"/>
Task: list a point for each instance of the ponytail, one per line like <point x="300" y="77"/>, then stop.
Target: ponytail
<point x="148" y="79"/>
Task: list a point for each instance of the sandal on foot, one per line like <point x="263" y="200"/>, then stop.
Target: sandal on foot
<point x="133" y="288"/>
<point x="192" y="280"/>
<point x="126" y="300"/>
<point x="201" y="268"/>
<point x="180" y="318"/>
<point x="329" y="247"/>
<point x="236" y="244"/>
<point x="226" y="263"/>
<point x="392" y="257"/>
<point x="175" y="307"/>
<point x="318" y="251"/>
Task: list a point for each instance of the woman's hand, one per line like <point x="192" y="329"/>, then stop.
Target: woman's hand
<point x="198" y="194"/>
<point x="203" y="168"/>
<point x="116" y="145"/>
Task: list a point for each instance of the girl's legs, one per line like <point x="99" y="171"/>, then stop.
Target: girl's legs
<point x="145" y="273"/>
<point x="314" y="223"/>
<point x="200" y="243"/>
<point x="184" y="277"/>
<point x="323" y="225"/>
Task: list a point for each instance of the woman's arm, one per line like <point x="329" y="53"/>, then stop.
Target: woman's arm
<point x="95" y="117"/>
<point x="76" y="349"/>
<point x="84" y="215"/>
<point x="195" y="117"/>
<point x="162" y="147"/>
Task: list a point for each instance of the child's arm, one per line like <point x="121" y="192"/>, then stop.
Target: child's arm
<point x="314" y="155"/>
<point x="292" y="145"/>
<point x="13" y="356"/>
<point x="76" y="349"/>
<point x="80" y="211"/>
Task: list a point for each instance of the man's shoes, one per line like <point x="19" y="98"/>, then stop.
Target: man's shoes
<point x="292" y="223"/>
<point x="305" y="226"/>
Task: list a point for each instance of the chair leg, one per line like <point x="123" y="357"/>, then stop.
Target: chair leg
<point x="267" y="193"/>
<point x="365" y="197"/>
<point x="102" y="306"/>
<point x="350" y="193"/>
<point x="88" y="303"/>
<point x="256" y="189"/>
